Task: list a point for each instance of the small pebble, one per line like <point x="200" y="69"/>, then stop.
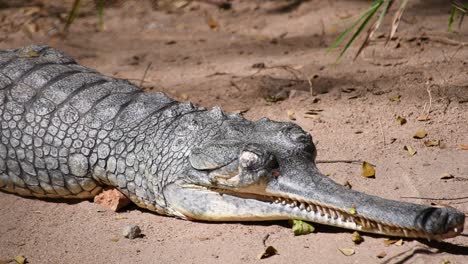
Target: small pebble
<point x="131" y="231"/>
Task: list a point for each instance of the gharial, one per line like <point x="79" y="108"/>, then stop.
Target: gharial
<point x="68" y="131"/>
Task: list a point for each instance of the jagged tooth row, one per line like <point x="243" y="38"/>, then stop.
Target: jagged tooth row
<point x="343" y="216"/>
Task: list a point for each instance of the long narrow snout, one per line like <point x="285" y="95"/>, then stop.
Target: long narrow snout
<point x="327" y="202"/>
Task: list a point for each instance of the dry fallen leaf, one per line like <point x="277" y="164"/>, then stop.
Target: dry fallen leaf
<point x="432" y="143"/>
<point x="213" y="24"/>
<point x="446" y="176"/>
<point x="381" y="254"/>
<point x="399" y="242"/>
<point x="410" y="150"/>
<point x="347" y="251"/>
<point x="423" y="117"/>
<point x="420" y="134"/>
<point x="347" y="184"/>
<point x="20" y="259"/>
<point x="291" y="115"/>
<point x="368" y="170"/>
<point x="389" y="241"/>
<point x="464" y="146"/>
<point x="395" y="98"/>
<point x="352" y="210"/>
<point x="357" y="238"/>
<point x="301" y="228"/>
<point x="268" y="252"/>
<point x="30" y="54"/>
<point x="401" y="120"/>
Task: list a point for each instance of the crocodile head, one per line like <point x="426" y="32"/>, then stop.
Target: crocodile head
<point x="266" y="171"/>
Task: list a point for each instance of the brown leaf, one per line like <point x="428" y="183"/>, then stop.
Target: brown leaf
<point x="213" y="24"/>
<point x="347" y="251"/>
<point x="357" y="238"/>
<point x="399" y="242"/>
<point x="368" y="170"/>
<point x="464" y="146"/>
<point x="347" y="184"/>
<point x="268" y="252"/>
<point x="20" y="259"/>
<point x="423" y="117"/>
<point x="400" y="120"/>
<point x="389" y="241"/>
<point x="420" y="134"/>
<point x="410" y="150"/>
<point x="381" y="255"/>
<point x="395" y="98"/>
<point x="432" y="143"/>
<point x="446" y="176"/>
<point x="291" y="115"/>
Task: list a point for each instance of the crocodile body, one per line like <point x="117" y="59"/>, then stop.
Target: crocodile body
<point x="68" y="131"/>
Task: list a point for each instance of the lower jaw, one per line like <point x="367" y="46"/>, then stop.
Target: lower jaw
<point x="327" y="215"/>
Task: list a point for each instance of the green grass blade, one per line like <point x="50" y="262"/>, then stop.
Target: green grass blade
<point x="361" y="27"/>
<point x="100" y="10"/>
<point x="453" y="13"/>
<point x="72" y="15"/>
<point x="349" y="29"/>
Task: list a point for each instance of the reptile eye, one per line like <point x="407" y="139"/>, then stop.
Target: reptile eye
<point x="249" y="160"/>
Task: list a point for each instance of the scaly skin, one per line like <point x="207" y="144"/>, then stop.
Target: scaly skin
<point x="68" y="131"/>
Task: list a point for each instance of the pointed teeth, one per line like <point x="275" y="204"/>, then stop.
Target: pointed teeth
<point x="302" y="206"/>
<point x="455" y="230"/>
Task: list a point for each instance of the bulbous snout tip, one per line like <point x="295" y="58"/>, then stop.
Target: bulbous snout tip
<point x="444" y="222"/>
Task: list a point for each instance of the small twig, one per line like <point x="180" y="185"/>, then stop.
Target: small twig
<point x="430" y="101"/>
<point x="447" y="41"/>
<point x="435" y="199"/>
<point x="311" y="88"/>
<point x="144" y="74"/>
<point x="233" y="83"/>
<point x="265" y="238"/>
<point x="339" y="161"/>
<point x="344" y="161"/>
<point x="382" y="131"/>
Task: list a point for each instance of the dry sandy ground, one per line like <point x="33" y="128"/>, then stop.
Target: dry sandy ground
<point x="213" y="66"/>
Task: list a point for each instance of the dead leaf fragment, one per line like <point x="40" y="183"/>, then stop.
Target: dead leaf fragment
<point x="357" y="238"/>
<point x="30" y="54"/>
<point x="420" y="134"/>
<point x="347" y="184"/>
<point x="446" y="176"/>
<point x="213" y="24"/>
<point x="291" y="115"/>
<point x="20" y="259"/>
<point x="347" y="251"/>
<point x="381" y="255"/>
<point x="395" y="98"/>
<point x="446" y="261"/>
<point x="368" y="170"/>
<point x="423" y="117"/>
<point x="397" y="242"/>
<point x="268" y="252"/>
<point x="432" y="143"/>
<point x="464" y="146"/>
<point x="389" y="241"/>
<point x="410" y="150"/>
<point x="401" y="120"/>
<point x="352" y="210"/>
<point x="300" y="227"/>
